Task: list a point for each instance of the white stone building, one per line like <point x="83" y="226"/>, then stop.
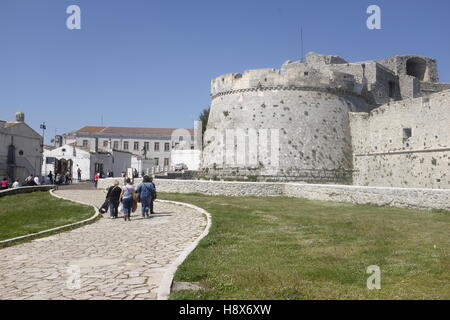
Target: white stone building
<point x="20" y="149"/>
<point x="71" y="157"/>
<point x="148" y="143"/>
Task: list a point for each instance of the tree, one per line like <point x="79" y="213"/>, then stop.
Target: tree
<point x="204" y="119"/>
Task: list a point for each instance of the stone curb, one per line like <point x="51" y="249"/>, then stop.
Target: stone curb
<point x="164" y="288"/>
<point x="21" y="190"/>
<point x="95" y="217"/>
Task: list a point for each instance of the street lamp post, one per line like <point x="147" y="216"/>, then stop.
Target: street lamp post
<point x="144" y="153"/>
<point x="43" y="127"/>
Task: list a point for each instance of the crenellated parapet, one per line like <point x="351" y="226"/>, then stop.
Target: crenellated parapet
<point x="291" y="76"/>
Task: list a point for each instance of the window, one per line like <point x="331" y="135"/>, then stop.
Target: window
<point x="146" y="146"/>
<point x="156" y="146"/>
<point x="50" y="160"/>
<point x="136" y="145"/>
<point x="416" y="67"/>
<point x="125" y="145"/>
<point x="105" y="143"/>
<point x="392" y="89"/>
<point x="167" y="146"/>
<point x="181" y="138"/>
<point x="407" y="133"/>
<point x="156" y="161"/>
<point x="85" y="143"/>
<point x="116" y="145"/>
<point x="166" y="162"/>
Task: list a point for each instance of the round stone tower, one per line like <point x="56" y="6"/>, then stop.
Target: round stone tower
<point x="287" y="124"/>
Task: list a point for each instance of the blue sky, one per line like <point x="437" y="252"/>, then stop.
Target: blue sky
<point x="149" y="63"/>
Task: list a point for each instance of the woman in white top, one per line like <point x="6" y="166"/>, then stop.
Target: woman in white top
<point x="16" y="184"/>
<point x="127" y="199"/>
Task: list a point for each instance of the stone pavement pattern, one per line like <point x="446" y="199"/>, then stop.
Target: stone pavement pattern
<point x="116" y="259"/>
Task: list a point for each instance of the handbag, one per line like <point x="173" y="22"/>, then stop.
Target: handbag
<point x="104" y="208"/>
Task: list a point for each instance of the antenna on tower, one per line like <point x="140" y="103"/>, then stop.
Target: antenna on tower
<point x="301" y="40"/>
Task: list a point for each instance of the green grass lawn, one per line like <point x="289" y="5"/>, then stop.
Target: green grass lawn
<point x="23" y="214"/>
<point x="287" y="248"/>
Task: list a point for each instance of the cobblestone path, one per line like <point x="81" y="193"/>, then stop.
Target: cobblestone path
<point x="113" y="258"/>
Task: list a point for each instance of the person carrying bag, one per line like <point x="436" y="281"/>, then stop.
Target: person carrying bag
<point x="113" y="199"/>
<point x="127" y="199"/>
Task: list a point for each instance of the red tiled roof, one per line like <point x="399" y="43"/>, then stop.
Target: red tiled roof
<point x="129" y="131"/>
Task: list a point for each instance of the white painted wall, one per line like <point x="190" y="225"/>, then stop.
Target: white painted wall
<point x="28" y="149"/>
<point x="81" y="159"/>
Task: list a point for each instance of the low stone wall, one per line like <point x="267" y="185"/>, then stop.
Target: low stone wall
<point x="10" y="192"/>
<point x="211" y="187"/>
<point x="226" y="188"/>
<point x="396" y="197"/>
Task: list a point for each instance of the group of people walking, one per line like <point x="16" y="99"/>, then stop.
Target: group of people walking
<point x="60" y="178"/>
<point x="128" y="196"/>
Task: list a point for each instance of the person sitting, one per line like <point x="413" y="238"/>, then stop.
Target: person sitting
<point x="4" y="184"/>
<point x="16" y="184"/>
<point x="29" y="182"/>
<point x="59" y="179"/>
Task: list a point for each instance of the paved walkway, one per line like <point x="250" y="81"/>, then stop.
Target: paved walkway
<point x="115" y="259"/>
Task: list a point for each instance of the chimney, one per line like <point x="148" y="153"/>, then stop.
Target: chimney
<point x="20" y="117"/>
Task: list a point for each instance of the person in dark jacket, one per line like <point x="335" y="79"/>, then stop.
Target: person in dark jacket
<point x="113" y="196"/>
<point x="50" y="176"/>
<point x="146" y="192"/>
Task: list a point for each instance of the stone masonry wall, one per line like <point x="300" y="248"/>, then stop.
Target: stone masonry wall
<point x="397" y="197"/>
<point x="312" y="129"/>
<point x="385" y="156"/>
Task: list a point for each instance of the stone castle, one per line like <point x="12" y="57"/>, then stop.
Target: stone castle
<point x="373" y="123"/>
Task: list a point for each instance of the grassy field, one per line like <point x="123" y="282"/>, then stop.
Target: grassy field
<point x="32" y="212"/>
<point x="285" y="248"/>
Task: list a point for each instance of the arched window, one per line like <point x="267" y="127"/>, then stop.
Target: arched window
<point x="416" y="67"/>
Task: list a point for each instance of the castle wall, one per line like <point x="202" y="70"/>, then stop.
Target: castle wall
<point x="293" y="123"/>
<point x="385" y="155"/>
<point x="311" y="127"/>
<point x="427" y="88"/>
